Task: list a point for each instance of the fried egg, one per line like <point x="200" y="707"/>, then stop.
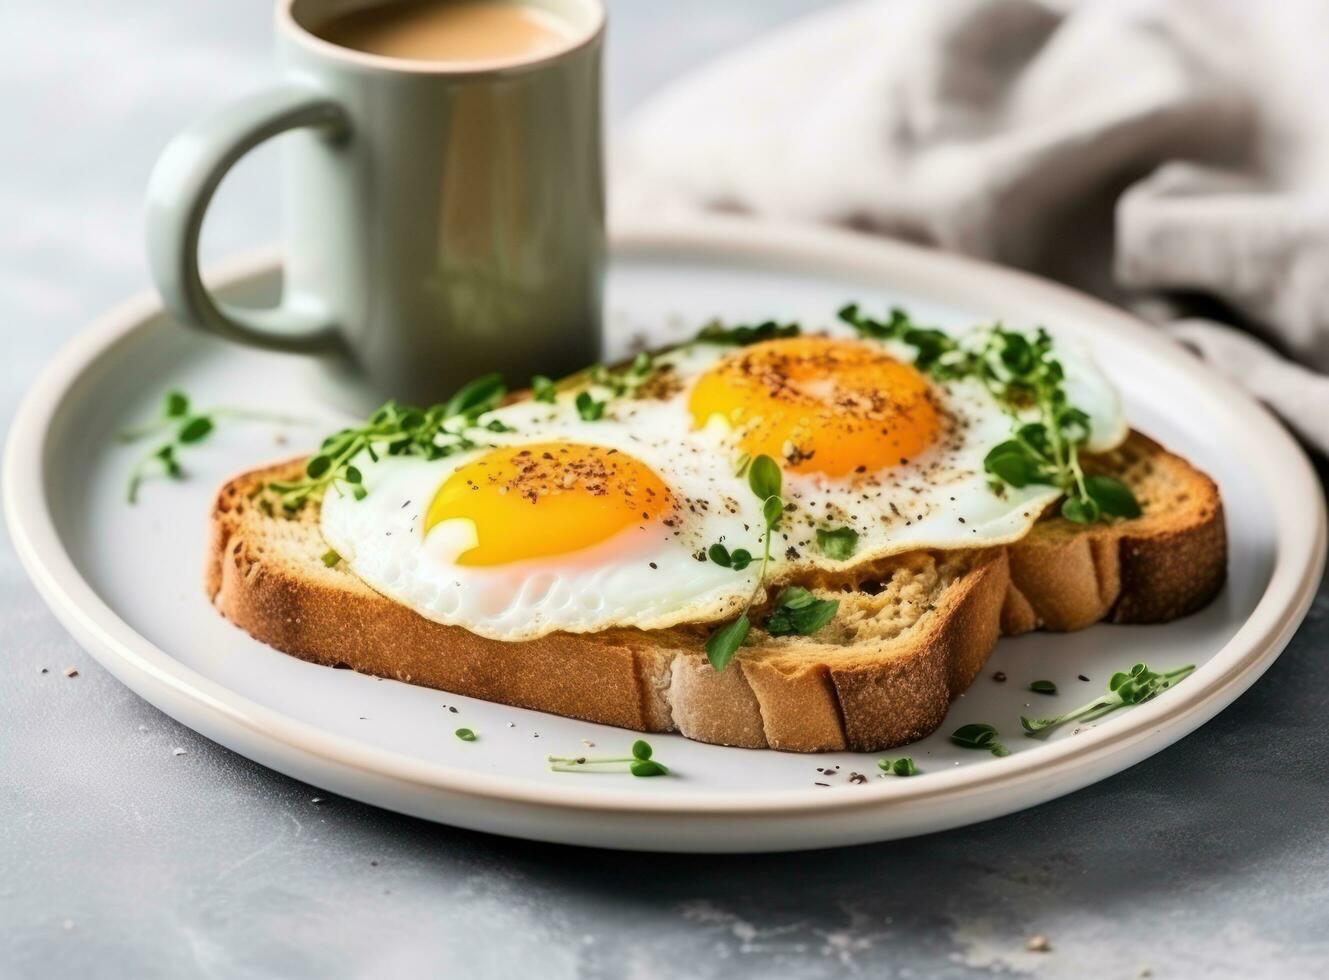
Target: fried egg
<point x="559" y="522"/>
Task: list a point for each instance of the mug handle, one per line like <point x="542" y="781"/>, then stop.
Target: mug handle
<point x="179" y="191"/>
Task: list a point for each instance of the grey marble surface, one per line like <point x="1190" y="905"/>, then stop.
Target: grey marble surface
<point x="120" y="859"/>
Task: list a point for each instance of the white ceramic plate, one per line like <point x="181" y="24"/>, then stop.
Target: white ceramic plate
<point x="126" y="580"/>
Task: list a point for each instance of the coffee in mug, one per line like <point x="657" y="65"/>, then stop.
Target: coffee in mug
<point x="443" y="194"/>
<point x="449" y="30"/>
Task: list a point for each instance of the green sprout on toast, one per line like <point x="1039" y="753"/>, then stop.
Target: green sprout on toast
<point x="1027" y="381"/>
<point x="393" y="430"/>
<point x="797" y="611"/>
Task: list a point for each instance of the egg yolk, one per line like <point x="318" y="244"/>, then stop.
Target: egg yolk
<point x="820" y="404"/>
<point x="546" y="499"/>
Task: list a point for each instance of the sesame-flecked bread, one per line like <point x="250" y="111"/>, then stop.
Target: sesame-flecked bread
<point x="911" y="633"/>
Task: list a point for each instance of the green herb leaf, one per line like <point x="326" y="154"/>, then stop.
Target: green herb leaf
<point x="726" y="640"/>
<point x="588" y="408"/>
<point x="796" y="597"/>
<point x="1124" y="689"/>
<point x="798" y="612"/>
<point x="166" y="454"/>
<point x="976" y="736"/>
<point x="1015" y="464"/>
<point x="738" y="559"/>
<point x="765" y="480"/>
<point x="742" y="336"/>
<point x="839" y="543"/>
<point x="929" y="347"/>
<point x="893" y="329"/>
<point x="330" y="558"/>
<point x="394" y="430"/>
<point x="639" y="763"/>
<point x="648" y="767"/>
<point x="1112" y="496"/>
<point x="1023" y="376"/>
<point x="175" y="404"/>
<point x="466" y="735"/>
<point x="194" y="429"/>
<point x="1080" y="510"/>
<point x="543" y="389"/>
<point x="1043" y="687"/>
<point x="904" y="767"/>
<point x="476" y="397"/>
<point x="979" y="736"/>
<point x="764" y="477"/>
<point x="184" y="429"/>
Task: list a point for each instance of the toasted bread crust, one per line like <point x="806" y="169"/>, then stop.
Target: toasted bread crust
<point x="868" y="689"/>
<point x="1165" y="564"/>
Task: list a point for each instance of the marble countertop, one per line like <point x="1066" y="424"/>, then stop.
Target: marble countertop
<point x="119" y="858"/>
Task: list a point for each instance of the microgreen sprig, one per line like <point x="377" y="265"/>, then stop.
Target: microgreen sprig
<point x="616" y="382"/>
<point x="543" y="389"/>
<point x="743" y="335"/>
<point x="765" y="481"/>
<point x="588" y="408"/>
<point x="898" y="767"/>
<point x="980" y="736"/>
<point x="624" y="381"/>
<point x="738" y="559"/>
<point x="186" y="427"/>
<point x="394" y="430"/>
<point x="797" y="611"/>
<point x="1125" y="688"/>
<point x="639" y="763"/>
<point x="1025" y="379"/>
<point x="839" y="543"/>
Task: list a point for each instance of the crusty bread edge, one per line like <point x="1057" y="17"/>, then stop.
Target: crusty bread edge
<point x="874" y="699"/>
<point x="1126" y="573"/>
<point x="1152" y="570"/>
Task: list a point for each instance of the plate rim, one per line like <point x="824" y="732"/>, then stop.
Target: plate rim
<point x="1299" y="557"/>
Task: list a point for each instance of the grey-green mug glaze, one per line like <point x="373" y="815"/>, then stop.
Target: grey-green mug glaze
<point x="442" y="220"/>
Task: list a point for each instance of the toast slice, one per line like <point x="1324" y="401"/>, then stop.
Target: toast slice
<point x="911" y="634"/>
<point x="1165" y="564"/>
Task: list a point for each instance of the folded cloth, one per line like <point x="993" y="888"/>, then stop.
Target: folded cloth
<point x="1130" y="148"/>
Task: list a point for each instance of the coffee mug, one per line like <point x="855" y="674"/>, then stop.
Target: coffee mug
<point x="443" y="219"/>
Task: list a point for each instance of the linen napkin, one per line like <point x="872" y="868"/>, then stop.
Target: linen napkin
<point x="1169" y="155"/>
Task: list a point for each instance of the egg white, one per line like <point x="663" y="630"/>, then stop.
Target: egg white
<point x="648" y="577"/>
<point x="651" y="577"/>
